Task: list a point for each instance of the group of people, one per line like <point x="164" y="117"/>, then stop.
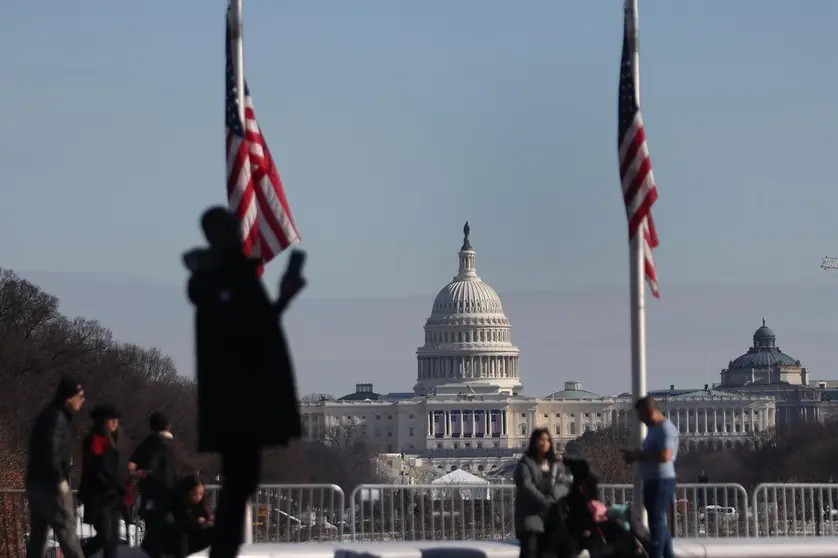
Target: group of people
<point x="113" y="485"/>
<point x="247" y="400"/>
<point x="557" y="509"/>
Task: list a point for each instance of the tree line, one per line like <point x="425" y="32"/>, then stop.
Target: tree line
<point x="38" y="344"/>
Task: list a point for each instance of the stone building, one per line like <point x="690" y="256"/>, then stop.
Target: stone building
<point x="467" y="409"/>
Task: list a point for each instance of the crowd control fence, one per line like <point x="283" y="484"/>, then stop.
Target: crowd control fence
<point x="480" y="512"/>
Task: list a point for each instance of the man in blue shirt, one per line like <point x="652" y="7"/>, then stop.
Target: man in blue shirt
<point x="656" y="461"/>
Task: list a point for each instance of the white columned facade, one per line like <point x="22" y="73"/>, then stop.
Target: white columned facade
<point x="468" y="336"/>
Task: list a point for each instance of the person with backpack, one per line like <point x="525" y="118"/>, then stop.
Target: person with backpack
<point x="154" y="457"/>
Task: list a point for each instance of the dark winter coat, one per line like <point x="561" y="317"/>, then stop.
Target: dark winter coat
<point x="247" y="395"/>
<point x="536" y="491"/>
<point x="156" y="457"/>
<point x="50" y="447"/>
<point x="104" y="477"/>
<point x="188" y="516"/>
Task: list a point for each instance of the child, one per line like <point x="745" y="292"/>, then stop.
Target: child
<point x="193" y="518"/>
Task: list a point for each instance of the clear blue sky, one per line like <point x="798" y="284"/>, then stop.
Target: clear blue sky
<point x="394" y="121"/>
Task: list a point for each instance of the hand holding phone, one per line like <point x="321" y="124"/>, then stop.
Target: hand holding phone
<point x="292" y="281"/>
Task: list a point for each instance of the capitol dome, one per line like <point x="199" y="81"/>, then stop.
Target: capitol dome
<point x="467" y="336"/>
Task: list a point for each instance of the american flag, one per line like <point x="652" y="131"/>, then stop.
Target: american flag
<point x="638" y="181"/>
<point x="254" y="189"/>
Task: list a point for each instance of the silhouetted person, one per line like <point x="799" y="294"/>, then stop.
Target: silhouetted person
<point x="104" y="479"/>
<point x="155" y="459"/>
<point x="48" y="474"/>
<point x="247" y="397"/>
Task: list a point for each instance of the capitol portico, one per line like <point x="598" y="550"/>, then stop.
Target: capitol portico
<point x="466" y="409"/>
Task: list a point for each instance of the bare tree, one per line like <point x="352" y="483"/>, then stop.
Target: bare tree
<point x="344" y="435"/>
<point x="314" y="398"/>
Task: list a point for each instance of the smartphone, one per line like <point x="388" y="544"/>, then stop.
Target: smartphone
<point x="295" y="263"/>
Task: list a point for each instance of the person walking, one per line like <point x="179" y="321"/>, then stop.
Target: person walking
<point x="48" y="473"/>
<point x="104" y="480"/>
<point x="538" y="488"/>
<point x="154" y="459"/>
<point x="247" y="396"/>
<point x="656" y="462"/>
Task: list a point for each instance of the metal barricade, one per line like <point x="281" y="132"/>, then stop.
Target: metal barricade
<point x="294" y="512"/>
<point x="432" y="512"/>
<point x="699" y="510"/>
<point x="795" y="510"/>
<point x="14" y="526"/>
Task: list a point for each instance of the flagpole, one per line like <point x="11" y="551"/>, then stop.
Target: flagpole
<point x="637" y="301"/>
<point x="238" y="51"/>
<point x="238" y="67"/>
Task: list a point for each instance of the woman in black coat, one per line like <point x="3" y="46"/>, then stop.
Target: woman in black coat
<point x="104" y="479"/>
<point x="539" y="485"/>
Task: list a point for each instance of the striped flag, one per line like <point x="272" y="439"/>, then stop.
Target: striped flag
<point x="638" y="181"/>
<point x="254" y="189"/>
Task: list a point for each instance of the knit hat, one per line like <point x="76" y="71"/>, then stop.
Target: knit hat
<point x="105" y="412"/>
<point x="158" y="422"/>
<point x="67" y="387"/>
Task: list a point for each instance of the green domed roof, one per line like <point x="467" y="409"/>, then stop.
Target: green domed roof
<point x="764" y="353"/>
<point x="573" y="390"/>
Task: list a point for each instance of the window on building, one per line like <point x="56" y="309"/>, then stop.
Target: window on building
<point x="524" y="415"/>
<point x="572" y="428"/>
<point x="410" y="416"/>
<point x="410" y="431"/>
<point x="389" y="417"/>
<point x="439" y="446"/>
<point x="377" y="417"/>
<point x="479" y="445"/>
<point x="523" y="430"/>
<point x="558" y="415"/>
<point x="495" y="445"/>
<point x="546" y="415"/>
<point x="558" y="429"/>
<point x="456" y="445"/>
<point x="468" y="444"/>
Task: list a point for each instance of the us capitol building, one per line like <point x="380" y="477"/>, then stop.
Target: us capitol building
<point x="466" y="410"/>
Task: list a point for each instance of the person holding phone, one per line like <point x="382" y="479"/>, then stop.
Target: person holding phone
<point x="656" y="460"/>
<point x="247" y="396"/>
